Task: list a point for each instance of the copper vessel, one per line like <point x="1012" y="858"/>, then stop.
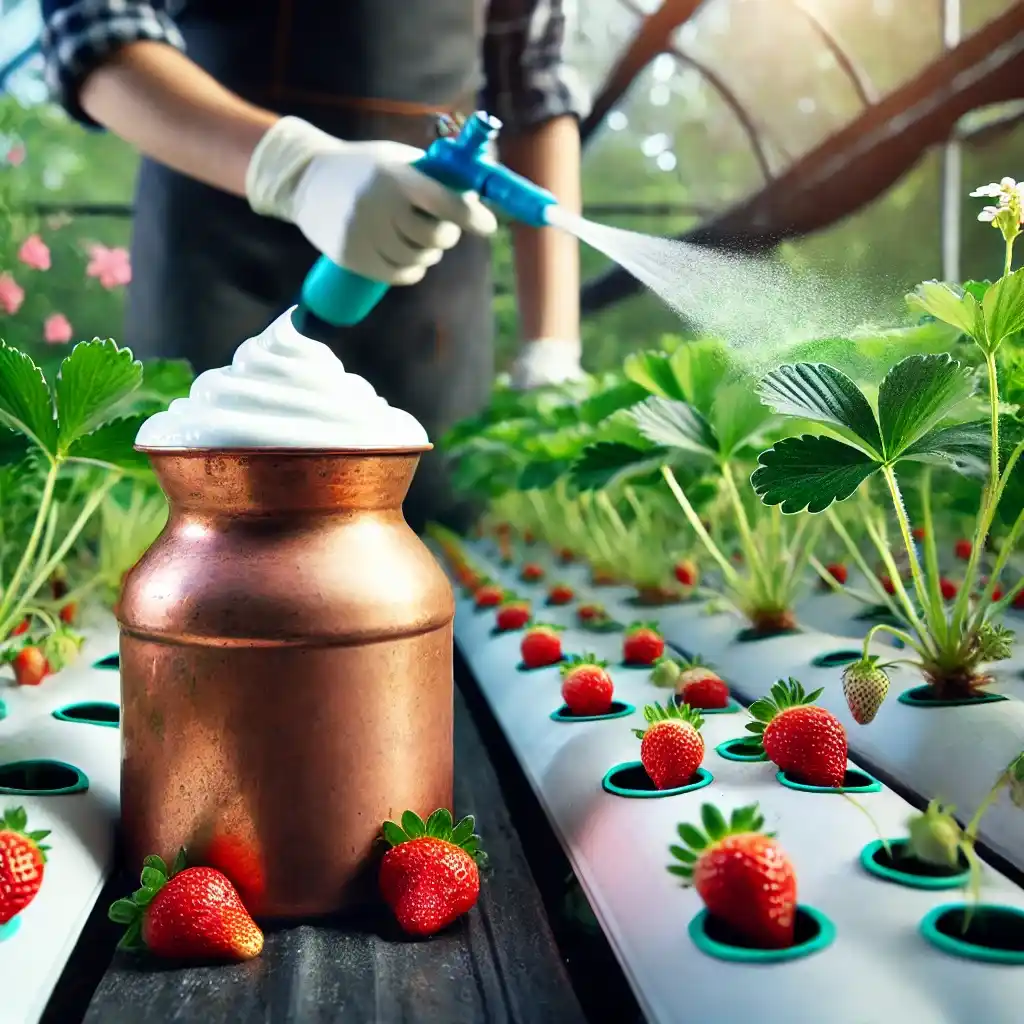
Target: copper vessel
<point x="286" y="672"/>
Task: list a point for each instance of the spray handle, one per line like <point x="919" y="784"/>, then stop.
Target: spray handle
<point x="343" y="298"/>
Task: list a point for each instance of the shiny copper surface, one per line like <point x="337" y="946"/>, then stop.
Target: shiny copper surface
<point x="286" y="672"/>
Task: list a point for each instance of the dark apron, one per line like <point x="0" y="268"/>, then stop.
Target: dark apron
<point x="209" y="273"/>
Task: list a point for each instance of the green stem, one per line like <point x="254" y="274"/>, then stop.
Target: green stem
<point x="931" y="554"/>
<point x="750" y="550"/>
<point x="728" y="572"/>
<point x="884" y="627"/>
<point x="908" y="539"/>
<point x="990" y="501"/>
<point x="10" y="599"/>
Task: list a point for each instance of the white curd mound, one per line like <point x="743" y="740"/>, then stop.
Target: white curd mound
<point x="282" y="390"/>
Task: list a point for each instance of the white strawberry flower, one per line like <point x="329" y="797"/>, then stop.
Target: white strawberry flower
<point x="995" y="189"/>
<point x="988" y="214"/>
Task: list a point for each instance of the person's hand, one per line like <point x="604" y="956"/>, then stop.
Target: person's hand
<point x="361" y="204"/>
<point x="547" y="361"/>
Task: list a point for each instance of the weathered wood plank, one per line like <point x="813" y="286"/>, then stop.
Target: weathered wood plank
<point x="500" y="965"/>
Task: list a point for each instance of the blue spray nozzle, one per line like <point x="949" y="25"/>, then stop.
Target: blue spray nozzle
<point x="460" y="162"/>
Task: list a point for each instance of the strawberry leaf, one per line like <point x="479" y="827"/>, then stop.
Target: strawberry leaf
<point x="92" y="380"/>
<point x="38" y="837"/>
<point x="675" y="424"/>
<point x="180" y="863"/>
<point x="692" y="836"/>
<point x="153" y="879"/>
<point x="822" y="394"/>
<point x="607" y="463"/>
<point x="26" y="405"/>
<point x="683" y="854"/>
<point x="144" y="896"/>
<point x="155" y="862"/>
<point x="463" y="830"/>
<point x="413" y="825"/>
<point x="714" y="823"/>
<point x="132" y="938"/>
<point x="123" y="912"/>
<point x="439" y="824"/>
<point x="112" y="444"/>
<point x="393" y="833"/>
<point x="1003" y="305"/>
<point x="16" y="818"/>
<point x="681" y="871"/>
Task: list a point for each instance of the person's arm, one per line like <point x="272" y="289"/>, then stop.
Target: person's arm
<point x="540" y="101"/>
<point x="122" y="66"/>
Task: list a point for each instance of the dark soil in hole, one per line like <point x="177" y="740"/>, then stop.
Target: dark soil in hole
<point x="633" y="778"/>
<point x="853" y="779"/>
<point x="880" y="613"/>
<point x="718" y="931"/>
<point x="538" y="668"/>
<point x="901" y="861"/>
<point x="751" y="635"/>
<point x="40" y="776"/>
<point x="109" y="713"/>
<point x="616" y="707"/>
<point x="992" y="927"/>
<point x="836" y="658"/>
<point x="745" y="747"/>
<point x="110" y="661"/>
<point x="936" y="695"/>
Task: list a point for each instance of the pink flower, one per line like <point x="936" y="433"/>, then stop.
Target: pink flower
<point x="16" y="155"/>
<point x="35" y="253"/>
<point x="56" y="329"/>
<point x="12" y="295"/>
<point x="111" y="267"/>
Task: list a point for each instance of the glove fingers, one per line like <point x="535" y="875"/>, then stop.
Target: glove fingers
<point x="442" y="203"/>
<point x="427" y="232"/>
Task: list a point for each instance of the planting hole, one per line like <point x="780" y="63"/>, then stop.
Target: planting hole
<point x="741" y="749"/>
<point x="835" y="658"/>
<point x="8" y="930"/>
<point x="619" y="709"/>
<point x="631" y="780"/>
<point x="90" y="713"/>
<point x="995" y="934"/>
<point x="730" y="709"/>
<point x="925" y="697"/>
<point x="41" y="778"/>
<point x="111" y="661"/>
<point x="854" y="781"/>
<point x="636" y="665"/>
<point x="605" y="626"/>
<point x="751" y="635"/>
<point x="813" y="933"/>
<point x="3" y="710"/>
<point x="904" y="869"/>
<point x="540" y="668"/>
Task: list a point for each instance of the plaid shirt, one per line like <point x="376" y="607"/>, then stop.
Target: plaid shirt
<point x="526" y="78"/>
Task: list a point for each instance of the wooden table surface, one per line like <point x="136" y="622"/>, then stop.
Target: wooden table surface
<point x="500" y="964"/>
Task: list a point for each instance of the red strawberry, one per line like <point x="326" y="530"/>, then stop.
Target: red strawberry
<point x="642" y="644"/>
<point x="962" y="549"/>
<point x="801" y="738"/>
<point x="603" y="578"/>
<point x="531" y="573"/>
<point x="887" y="584"/>
<point x="586" y="686"/>
<point x="686" y="572"/>
<point x="591" y="613"/>
<point x="672" y="747"/>
<point x="700" y="687"/>
<point x="30" y="666"/>
<point x="187" y="913"/>
<point x="22" y="862"/>
<point x="560" y="593"/>
<point x="1018" y="600"/>
<point x="743" y="876"/>
<point x="947" y="588"/>
<point x="528" y="537"/>
<point x="997" y="594"/>
<point x="58" y="587"/>
<point x="918" y="533"/>
<point x="68" y="612"/>
<point x="566" y="555"/>
<point x="541" y="646"/>
<point x="513" y="614"/>
<point x="837" y="571"/>
<point x="489" y="596"/>
<point x="429" y="877"/>
<point x="21" y="627"/>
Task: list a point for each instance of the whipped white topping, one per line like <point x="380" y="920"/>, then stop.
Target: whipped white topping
<point x="282" y="390"/>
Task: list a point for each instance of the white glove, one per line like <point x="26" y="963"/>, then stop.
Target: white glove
<point x="360" y="203"/>
<point x="547" y="361"/>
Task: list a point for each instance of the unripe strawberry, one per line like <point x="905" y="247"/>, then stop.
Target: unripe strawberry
<point x="865" y="687"/>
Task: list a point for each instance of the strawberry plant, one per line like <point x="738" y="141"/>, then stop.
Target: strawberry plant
<point x="923" y="414"/>
<point x="65" y="445"/>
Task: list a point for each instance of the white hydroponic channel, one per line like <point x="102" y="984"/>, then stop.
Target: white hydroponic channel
<point x="877" y="970"/>
<point x="950" y="754"/>
<point x="34" y="952"/>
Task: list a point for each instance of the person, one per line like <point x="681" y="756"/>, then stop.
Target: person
<point x="275" y="130"/>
